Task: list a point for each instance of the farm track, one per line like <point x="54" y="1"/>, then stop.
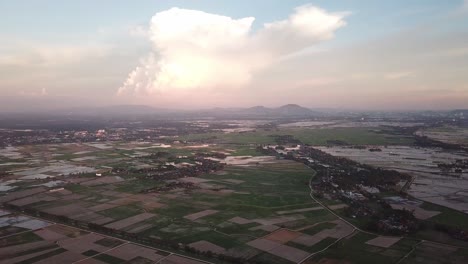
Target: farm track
<point x="123" y="240"/>
<point x="355" y="228"/>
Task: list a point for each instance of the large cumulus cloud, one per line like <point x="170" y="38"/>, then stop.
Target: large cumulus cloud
<point x="194" y="50"/>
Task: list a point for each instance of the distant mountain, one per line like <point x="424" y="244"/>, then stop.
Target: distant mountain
<point x="129" y="109"/>
<point x="258" y="110"/>
<point x="134" y="111"/>
<point x="294" y="110"/>
<point x="116" y="110"/>
<point x="290" y="110"/>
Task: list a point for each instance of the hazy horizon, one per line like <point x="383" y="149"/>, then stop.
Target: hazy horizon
<point x="363" y="55"/>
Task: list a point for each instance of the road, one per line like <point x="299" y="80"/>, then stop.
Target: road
<point x="355" y="228"/>
<point x="125" y="241"/>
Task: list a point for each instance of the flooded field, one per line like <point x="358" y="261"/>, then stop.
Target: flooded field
<point x="431" y="184"/>
<point x="347" y="124"/>
<point x="248" y="160"/>
<point x="307" y="124"/>
<point x="453" y="135"/>
<point x="11" y="153"/>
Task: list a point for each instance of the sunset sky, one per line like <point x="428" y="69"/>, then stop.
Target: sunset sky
<point x="350" y="54"/>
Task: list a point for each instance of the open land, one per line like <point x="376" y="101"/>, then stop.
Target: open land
<point x="240" y="193"/>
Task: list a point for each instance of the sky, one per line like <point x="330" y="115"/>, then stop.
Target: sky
<point x="348" y="54"/>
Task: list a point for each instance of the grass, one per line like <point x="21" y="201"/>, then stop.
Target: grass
<point x="10" y="230"/>
<point x="447" y="216"/>
<point x="77" y="188"/>
<point x="213" y="237"/>
<point x="355" y="250"/>
<point x="43" y="256"/>
<point x="245" y="151"/>
<point x="108" y="242"/>
<point x="140" y="260"/>
<point x="90" y="253"/>
<point x="34" y="250"/>
<point x="122" y="212"/>
<point x="405" y="244"/>
<point x="236" y="229"/>
<point x="136" y="186"/>
<point x="270" y="259"/>
<point x="351" y="135"/>
<point x="173" y="229"/>
<point x="319" y="227"/>
<point x="266" y="201"/>
<point x="431" y="253"/>
<point x="314" y="248"/>
<point x="462" y="252"/>
<point x="109" y="259"/>
<point x="22" y="238"/>
<point x="309" y="221"/>
<point x="355" y="136"/>
<point x="441" y="237"/>
<point x="257" y="137"/>
<point x="272" y="188"/>
<point x="178" y="210"/>
<point x="289" y="191"/>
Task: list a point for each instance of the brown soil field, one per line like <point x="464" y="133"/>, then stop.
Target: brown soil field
<point x="308" y="240"/>
<point x="205" y="246"/>
<point x="82" y="243"/>
<point x="130" y="251"/>
<point x="201" y="214"/>
<point x="25" y="257"/>
<point x="382" y="241"/>
<point x="240" y="220"/>
<point x="174" y="259"/>
<point x="8" y="251"/>
<point x="68" y="210"/>
<point x="290" y="253"/>
<point x="283" y="236"/>
<point x="130" y="221"/>
<point x="20" y="194"/>
<point x="49" y="235"/>
<point x="268" y="228"/>
<point x="263" y="244"/>
<point x="65" y="257"/>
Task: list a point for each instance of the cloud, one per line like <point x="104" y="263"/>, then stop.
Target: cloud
<point x="397" y="75"/>
<point x="37" y="54"/>
<point x="138" y="31"/>
<point x="464" y="6"/>
<point x="42" y="92"/>
<point x="195" y="50"/>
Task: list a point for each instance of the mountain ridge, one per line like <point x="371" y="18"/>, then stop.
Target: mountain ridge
<point x="288" y="110"/>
